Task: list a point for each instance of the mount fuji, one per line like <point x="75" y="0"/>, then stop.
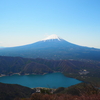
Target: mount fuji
<point x="49" y="42"/>
<point x="52" y="47"/>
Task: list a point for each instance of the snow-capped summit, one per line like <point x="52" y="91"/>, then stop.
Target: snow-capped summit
<point x="52" y="37"/>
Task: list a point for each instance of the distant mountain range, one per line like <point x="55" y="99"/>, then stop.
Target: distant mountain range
<point x="52" y="47"/>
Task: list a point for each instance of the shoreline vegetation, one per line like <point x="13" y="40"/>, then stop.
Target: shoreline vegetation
<point x="2" y="75"/>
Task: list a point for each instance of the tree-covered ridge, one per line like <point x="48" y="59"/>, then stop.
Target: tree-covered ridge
<point x="83" y="70"/>
<point x="11" y="65"/>
<point x="82" y="91"/>
<point x="11" y="91"/>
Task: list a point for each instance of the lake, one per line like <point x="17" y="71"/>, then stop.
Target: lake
<point x="52" y="80"/>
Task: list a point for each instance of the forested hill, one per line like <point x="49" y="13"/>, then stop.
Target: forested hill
<point x="11" y="91"/>
<point x="72" y="68"/>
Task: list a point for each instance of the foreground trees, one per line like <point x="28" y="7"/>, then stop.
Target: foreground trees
<point x="40" y="96"/>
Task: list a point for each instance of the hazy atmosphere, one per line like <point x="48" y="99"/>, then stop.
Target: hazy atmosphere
<point x="27" y="21"/>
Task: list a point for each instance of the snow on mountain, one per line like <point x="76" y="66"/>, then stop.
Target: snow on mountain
<point x="52" y="37"/>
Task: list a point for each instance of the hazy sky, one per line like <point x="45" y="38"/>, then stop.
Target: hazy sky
<point x="27" y="21"/>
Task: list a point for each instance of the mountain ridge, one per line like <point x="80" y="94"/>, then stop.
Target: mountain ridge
<point x="70" y="68"/>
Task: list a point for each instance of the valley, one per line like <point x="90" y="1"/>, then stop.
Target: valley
<point x="82" y="70"/>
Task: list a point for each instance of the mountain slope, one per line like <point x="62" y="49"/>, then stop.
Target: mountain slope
<point x="70" y="68"/>
<point x="11" y="91"/>
<point x="10" y="65"/>
<point x="52" y="47"/>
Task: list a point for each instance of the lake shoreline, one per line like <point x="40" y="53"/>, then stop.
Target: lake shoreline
<point x="2" y="75"/>
<point x="51" y="80"/>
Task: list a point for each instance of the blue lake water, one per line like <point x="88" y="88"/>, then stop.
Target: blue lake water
<point x="53" y="80"/>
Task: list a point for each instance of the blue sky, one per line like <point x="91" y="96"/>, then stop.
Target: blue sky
<point x="27" y="21"/>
